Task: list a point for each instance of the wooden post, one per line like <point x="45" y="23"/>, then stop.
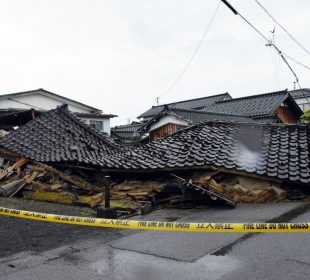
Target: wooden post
<point x="107" y="183"/>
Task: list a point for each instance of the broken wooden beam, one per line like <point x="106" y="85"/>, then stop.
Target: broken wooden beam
<point x="19" y="163"/>
<point x="212" y="193"/>
<point x="71" y="178"/>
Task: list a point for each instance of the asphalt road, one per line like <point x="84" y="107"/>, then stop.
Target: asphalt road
<point x="123" y="254"/>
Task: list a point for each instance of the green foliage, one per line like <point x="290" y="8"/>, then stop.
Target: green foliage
<point x="135" y="139"/>
<point x="305" y="117"/>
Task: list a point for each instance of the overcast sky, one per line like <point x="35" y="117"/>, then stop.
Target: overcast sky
<point x="119" y="55"/>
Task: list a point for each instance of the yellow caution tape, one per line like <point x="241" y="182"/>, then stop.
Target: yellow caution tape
<point x="152" y="225"/>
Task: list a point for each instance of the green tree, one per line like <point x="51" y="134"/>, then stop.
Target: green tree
<point x="305" y="117"/>
<point x="135" y="140"/>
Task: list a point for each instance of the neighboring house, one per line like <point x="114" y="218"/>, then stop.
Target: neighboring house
<point x="42" y="100"/>
<point x="302" y="98"/>
<point x="169" y="121"/>
<point x="127" y="133"/>
<point x="191" y="104"/>
<point x="274" y="107"/>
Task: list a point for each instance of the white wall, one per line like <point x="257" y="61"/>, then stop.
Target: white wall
<point x="168" y="119"/>
<point x="106" y="123"/>
<point x="304" y="103"/>
<point x="45" y="102"/>
<point x="38" y="101"/>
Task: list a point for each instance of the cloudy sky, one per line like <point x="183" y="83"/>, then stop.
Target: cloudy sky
<point x="119" y="55"/>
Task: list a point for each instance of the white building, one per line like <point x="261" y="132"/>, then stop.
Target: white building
<point x="43" y="100"/>
<point x="302" y="98"/>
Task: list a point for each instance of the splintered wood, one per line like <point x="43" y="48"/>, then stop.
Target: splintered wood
<point x="37" y="181"/>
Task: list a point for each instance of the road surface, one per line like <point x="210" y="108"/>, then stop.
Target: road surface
<point x="39" y="250"/>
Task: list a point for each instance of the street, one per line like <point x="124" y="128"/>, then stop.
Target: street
<point x="55" y="251"/>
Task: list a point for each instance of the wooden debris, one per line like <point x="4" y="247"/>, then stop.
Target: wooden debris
<point x="91" y="201"/>
<point x="10" y="189"/>
<point x="29" y="178"/>
<point x="63" y="198"/>
<point x="19" y="163"/>
<point x="77" y="181"/>
<point x="216" y="186"/>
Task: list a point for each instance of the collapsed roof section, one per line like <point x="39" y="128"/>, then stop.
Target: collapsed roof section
<point x="273" y="150"/>
<point x="276" y="151"/>
<point x="58" y="136"/>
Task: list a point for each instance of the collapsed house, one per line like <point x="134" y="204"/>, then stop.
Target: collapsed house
<point x="214" y="160"/>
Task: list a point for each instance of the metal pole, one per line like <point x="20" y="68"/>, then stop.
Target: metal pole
<point x="107" y="183"/>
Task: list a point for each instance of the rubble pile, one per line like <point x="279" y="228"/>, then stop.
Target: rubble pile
<point x="57" y="158"/>
<point x="37" y="181"/>
<point x="243" y="189"/>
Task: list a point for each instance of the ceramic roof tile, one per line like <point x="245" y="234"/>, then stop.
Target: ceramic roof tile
<point x="196" y="103"/>
<point x="274" y="150"/>
<point x="58" y="135"/>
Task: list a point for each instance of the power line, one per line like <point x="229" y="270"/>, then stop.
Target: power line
<point x="283" y="28"/>
<point x="192" y="57"/>
<point x="296" y="61"/>
<point x="269" y="43"/>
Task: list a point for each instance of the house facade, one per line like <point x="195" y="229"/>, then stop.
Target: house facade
<point x="172" y="120"/>
<point x="302" y="98"/>
<point x="42" y="100"/>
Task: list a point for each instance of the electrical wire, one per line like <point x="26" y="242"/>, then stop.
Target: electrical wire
<point x="192" y="57"/>
<point x="271" y="44"/>
<point x="296" y="61"/>
<point x="283" y="28"/>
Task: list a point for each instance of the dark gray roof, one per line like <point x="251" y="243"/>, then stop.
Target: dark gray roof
<point x="194" y="117"/>
<point x="94" y="115"/>
<point x="300" y="93"/>
<point x="126" y="131"/>
<point x="254" y="105"/>
<point x="267" y="119"/>
<point x="58" y="136"/>
<point x="195" y="104"/>
<point x="272" y="150"/>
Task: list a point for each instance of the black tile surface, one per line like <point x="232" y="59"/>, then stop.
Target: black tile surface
<point x="58" y="136"/>
<point x="191" y="104"/>
<point x="249" y="106"/>
<point x="193" y="117"/>
<point x="300" y="93"/>
<point x="274" y="150"/>
<point x="126" y="131"/>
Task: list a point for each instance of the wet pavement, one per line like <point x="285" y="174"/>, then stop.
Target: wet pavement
<point x="173" y="255"/>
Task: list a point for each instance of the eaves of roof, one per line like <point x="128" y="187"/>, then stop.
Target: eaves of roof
<point x="181" y="115"/>
<point x="48" y="93"/>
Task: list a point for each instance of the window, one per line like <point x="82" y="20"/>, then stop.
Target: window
<point x="304" y="106"/>
<point x="96" y="124"/>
